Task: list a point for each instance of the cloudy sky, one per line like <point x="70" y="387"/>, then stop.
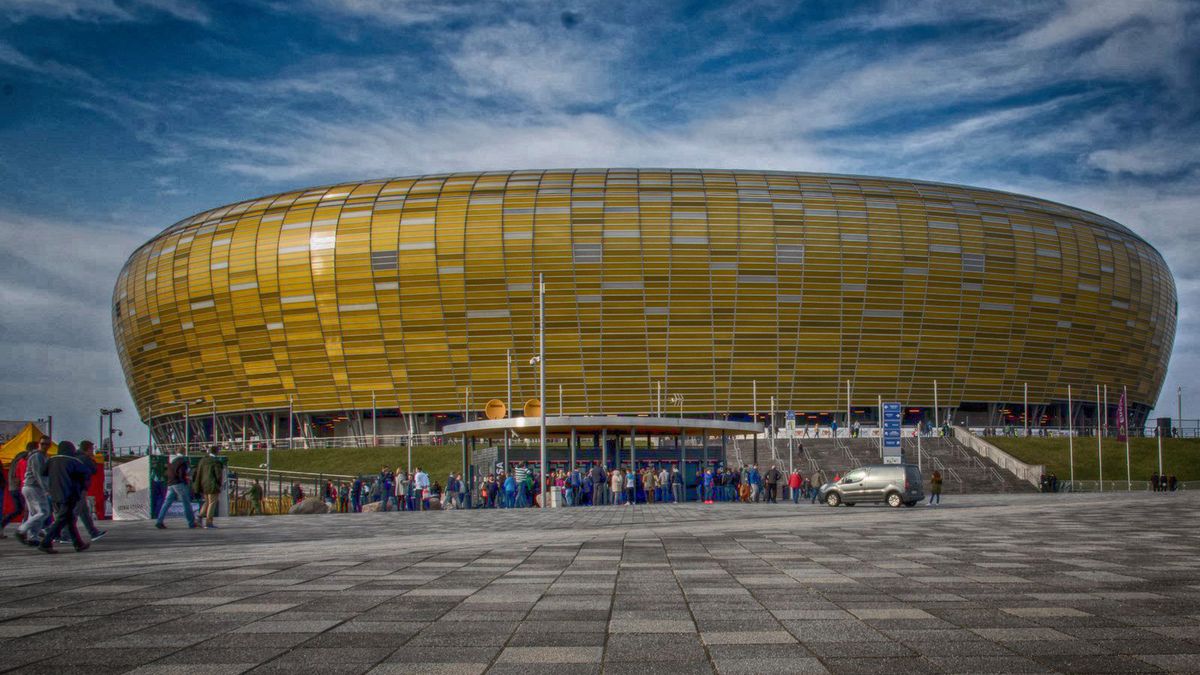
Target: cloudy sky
<point x="119" y="117"/>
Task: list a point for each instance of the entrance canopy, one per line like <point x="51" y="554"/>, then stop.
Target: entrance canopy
<point x="615" y="424"/>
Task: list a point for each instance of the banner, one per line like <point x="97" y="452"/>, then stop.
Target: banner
<point x="131" y="490"/>
<point x="1122" y="419"/>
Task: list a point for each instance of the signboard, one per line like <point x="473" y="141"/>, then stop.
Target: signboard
<point x="791" y="424"/>
<point x="891" y="433"/>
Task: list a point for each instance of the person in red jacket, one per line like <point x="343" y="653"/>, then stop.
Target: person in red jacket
<point x="794" y="482"/>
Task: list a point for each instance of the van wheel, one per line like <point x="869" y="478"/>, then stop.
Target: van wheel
<point x="833" y="499"/>
<point x="894" y="500"/>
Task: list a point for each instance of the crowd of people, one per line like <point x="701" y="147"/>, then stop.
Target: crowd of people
<point x="49" y="495"/>
<point x="585" y="485"/>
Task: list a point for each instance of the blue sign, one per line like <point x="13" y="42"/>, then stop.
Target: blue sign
<point x="891" y="427"/>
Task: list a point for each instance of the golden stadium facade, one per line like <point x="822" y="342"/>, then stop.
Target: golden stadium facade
<point x="400" y="294"/>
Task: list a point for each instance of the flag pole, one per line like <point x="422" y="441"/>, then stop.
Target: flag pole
<point x="1071" y="436"/>
<point x="1099" y="441"/>
<point x="1125" y="420"/>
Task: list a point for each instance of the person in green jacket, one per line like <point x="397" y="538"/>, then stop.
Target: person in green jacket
<point x="206" y="480"/>
<point x="254" y="494"/>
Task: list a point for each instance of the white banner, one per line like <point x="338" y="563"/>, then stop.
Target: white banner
<point x="131" y="490"/>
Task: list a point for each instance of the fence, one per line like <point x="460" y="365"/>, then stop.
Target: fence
<point x="1026" y="472"/>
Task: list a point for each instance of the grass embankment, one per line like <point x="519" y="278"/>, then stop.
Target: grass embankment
<point x="437" y="460"/>
<point x="1181" y="457"/>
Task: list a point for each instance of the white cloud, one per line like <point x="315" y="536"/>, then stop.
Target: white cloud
<point x="544" y="65"/>
<point x="102" y="11"/>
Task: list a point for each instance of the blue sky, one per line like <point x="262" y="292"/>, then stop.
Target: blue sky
<point x="119" y="117"/>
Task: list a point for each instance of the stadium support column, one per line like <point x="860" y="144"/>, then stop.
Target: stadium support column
<point x="466" y="418"/>
<point x="754" y="414"/>
<point x="574" y="447"/>
<point x="633" y="450"/>
<point x="604" y="449"/>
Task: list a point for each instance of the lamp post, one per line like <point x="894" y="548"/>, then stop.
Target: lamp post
<point x="108" y="459"/>
<point x="1025" y="410"/>
<point x="1099" y="440"/>
<point x="1158" y="433"/>
<point x="187" y="427"/>
<point x="678" y="400"/>
<point x="541" y="357"/>
<point x="507" y="405"/>
<point x="1071" y="436"/>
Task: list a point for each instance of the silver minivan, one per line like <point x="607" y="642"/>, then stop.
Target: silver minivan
<point x="892" y="484"/>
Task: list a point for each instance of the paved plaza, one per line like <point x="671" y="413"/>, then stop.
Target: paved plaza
<point x="998" y="583"/>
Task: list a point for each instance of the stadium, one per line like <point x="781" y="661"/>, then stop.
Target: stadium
<point x="396" y="305"/>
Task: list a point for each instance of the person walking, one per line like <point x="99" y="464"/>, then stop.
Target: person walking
<point x="935" y="488"/>
<point x="208" y="479"/>
<point x="631" y="485"/>
<point x="16" y="478"/>
<point x="35" y="491"/>
<point x="521" y="476"/>
<point x="86" y="454"/>
<point x="772" y="478"/>
<point x="617" y="485"/>
<point x="707" y="486"/>
<point x="676" y="482"/>
<point x="67" y="478"/>
<point x="178" y="489"/>
<point x="254" y="495"/>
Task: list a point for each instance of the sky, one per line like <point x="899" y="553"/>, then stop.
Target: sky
<point x="120" y="117"/>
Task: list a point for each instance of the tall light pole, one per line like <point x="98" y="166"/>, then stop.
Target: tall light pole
<point x="1179" y="409"/>
<point x="507" y="405"/>
<point x="108" y="459"/>
<point x="678" y="399"/>
<point x="1025" y="411"/>
<point x="187" y="424"/>
<point x="291" y="425"/>
<point x="1158" y="433"/>
<point x="1125" y="422"/>
<point x="1071" y="436"/>
<point x="215" y="439"/>
<point x="542" y="380"/>
<point x="374" y="427"/>
<point x="1099" y="440"/>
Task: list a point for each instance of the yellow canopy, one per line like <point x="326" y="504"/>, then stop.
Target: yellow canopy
<point x="17" y="443"/>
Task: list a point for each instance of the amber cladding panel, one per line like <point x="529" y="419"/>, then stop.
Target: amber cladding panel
<point x="412" y="289"/>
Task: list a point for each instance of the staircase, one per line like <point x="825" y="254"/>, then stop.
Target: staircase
<point x="963" y="471"/>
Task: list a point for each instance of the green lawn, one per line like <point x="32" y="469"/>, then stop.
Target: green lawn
<point x="438" y="460"/>
<point x="1181" y="457"/>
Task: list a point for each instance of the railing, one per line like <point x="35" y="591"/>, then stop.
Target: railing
<point x="1031" y="473"/>
<point x="1111" y="486"/>
<point x="300" y="443"/>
